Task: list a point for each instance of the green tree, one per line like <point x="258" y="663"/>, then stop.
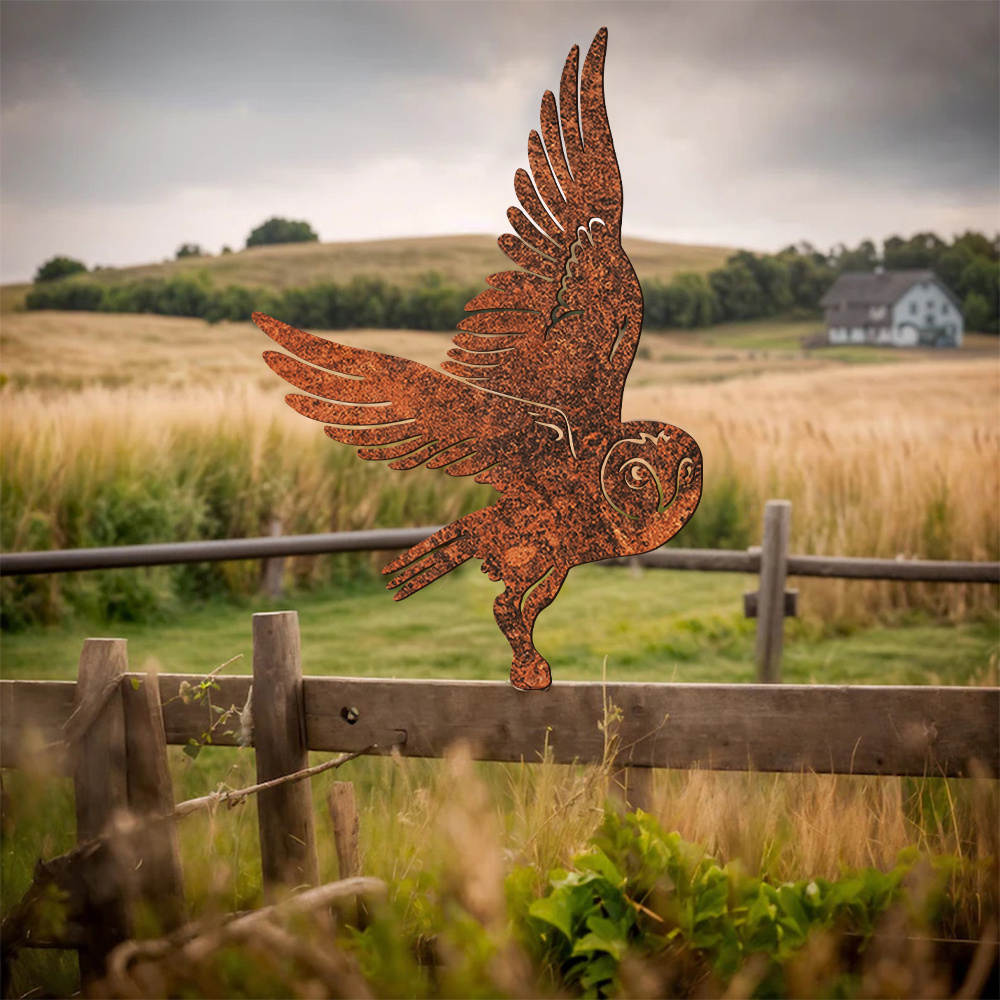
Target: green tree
<point x="808" y="276"/>
<point x="189" y="250"/>
<point x="694" y="303"/>
<point x="864" y="257"/>
<point x="977" y="313"/>
<point x="59" y="267"/>
<point x="920" y="251"/>
<point x="737" y="292"/>
<point x="281" y="231"/>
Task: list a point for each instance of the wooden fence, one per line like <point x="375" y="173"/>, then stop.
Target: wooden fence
<point x="109" y="730"/>
<point x="770" y="604"/>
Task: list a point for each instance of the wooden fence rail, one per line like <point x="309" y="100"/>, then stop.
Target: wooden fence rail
<point x="278" y="546"/>
<point x="770" y="604"/>
<point x="109" y="730"/>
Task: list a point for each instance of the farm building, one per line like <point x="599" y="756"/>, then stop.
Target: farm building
<point x="901" y="308"/>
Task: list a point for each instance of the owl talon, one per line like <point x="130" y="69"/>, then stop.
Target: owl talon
<point x="532" y="674"/>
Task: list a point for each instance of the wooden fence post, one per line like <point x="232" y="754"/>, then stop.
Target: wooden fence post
<point x="150" y="794"/>
<point x="639" y="788"/>
<point x="346" y="827"/>
<point x="274" y="568"/>
<point x="771" y="595"/>
<point x="284" y="814"/>
<point x="96" y="735"/>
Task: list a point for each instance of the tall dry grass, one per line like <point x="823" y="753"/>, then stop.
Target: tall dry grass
<point x="117" y="467"/>
<point x="893" y="461"/>
<point x="890" y="461"/>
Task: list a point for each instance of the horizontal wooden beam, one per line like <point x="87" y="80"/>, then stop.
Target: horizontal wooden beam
<point x="216" y="550"/>
<point x="702" y="560"/>
<point x="828" y="729"/>
<point x="905" y="570"/>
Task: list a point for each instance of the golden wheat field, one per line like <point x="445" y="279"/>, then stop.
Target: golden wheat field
<point x="897" y="460"/>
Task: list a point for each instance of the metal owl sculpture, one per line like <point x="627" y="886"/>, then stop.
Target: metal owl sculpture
<point x="531" y="402"/>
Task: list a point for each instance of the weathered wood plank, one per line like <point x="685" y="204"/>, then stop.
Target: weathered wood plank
<point x="32" y="716"/>
<point x="159" y="878"/>
<point x="284" y="814"/>
<point x="845" y="730"/>
<point x="192" y="719"/>
<point x="858" y="729"/>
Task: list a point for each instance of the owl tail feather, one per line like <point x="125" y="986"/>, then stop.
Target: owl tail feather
<point x="433" y="557"/>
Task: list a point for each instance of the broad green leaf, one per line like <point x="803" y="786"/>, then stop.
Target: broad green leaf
<point x="555" y="910"/>
<point x="599" y="862"/>
<point x="595" y="942"/>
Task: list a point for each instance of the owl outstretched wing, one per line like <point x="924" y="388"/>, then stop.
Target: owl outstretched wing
<point x="405" y="413"/>
<point x="564" y="329"/>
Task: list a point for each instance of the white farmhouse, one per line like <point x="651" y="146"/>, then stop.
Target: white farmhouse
<point x="898" y="308"/>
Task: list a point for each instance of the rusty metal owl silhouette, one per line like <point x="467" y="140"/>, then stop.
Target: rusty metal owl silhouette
<point x="531" y="399"/>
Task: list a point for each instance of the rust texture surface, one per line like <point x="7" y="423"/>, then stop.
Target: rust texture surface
<point x="531" y="399"/>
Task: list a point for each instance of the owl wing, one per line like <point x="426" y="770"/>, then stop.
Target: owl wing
<point x="410" y="415"/>
<point x="567" y="324"/>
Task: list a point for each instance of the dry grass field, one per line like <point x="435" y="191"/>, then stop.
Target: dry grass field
<point x="892" y="460"/>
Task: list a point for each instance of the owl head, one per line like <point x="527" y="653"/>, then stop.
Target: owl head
<point x="651" y="476"/>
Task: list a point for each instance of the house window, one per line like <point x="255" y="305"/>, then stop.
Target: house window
<point x="944" y="309"/>
<point x="913" y="307"/>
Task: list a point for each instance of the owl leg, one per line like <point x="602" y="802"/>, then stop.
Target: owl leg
<point x="515" y="611"/>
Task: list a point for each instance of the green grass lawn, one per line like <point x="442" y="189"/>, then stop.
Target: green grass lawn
<point x="657" y="626"/>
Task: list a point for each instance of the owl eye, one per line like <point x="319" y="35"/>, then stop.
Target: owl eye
<point x="636" y="475"/>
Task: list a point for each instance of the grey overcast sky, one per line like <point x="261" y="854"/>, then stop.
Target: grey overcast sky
<point x="129" y="128"/>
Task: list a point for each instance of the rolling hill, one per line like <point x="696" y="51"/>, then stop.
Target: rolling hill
<point x="460" y="260"/>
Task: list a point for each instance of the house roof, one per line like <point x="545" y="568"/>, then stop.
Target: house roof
<point x="886" y="288"/>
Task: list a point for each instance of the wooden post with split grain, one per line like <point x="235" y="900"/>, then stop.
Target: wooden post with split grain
<point x="95" y="734"/>
<point x="150" y="794"/>
<point x="771" y="595"/>
<point x="284" y="814"/>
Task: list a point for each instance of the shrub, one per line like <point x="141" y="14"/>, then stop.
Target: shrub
<point x="73" y="295"/>
<point x="281" y="231"/>
<point x="59" y="267"/>
<point x="189" y="250"/>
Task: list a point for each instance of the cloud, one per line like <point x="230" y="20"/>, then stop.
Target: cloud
<point x="750" y="122"/>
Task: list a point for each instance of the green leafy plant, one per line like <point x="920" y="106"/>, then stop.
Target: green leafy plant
<point x="642" y="889"/>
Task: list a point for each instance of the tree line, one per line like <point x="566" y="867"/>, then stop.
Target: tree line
<point x="749" y="286"/>
<point x="430" y="304"/>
